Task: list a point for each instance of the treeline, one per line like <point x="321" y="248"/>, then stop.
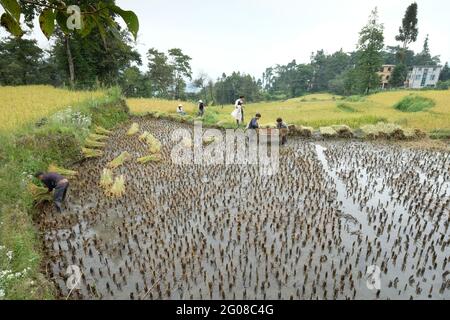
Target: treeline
<point x="109" y="58"/>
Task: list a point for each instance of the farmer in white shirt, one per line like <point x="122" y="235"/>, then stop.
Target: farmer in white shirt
<point x="238" y="112"/>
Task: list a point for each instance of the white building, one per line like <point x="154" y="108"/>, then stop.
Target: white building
<point x="423" y="77"/>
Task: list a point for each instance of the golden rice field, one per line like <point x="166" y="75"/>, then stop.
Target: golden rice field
<point x="324" y="109"/>
<point x="142" y="106"/>
<point x="22" y="105"/>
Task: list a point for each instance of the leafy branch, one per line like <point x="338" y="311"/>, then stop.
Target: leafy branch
<point x="57" y="13"/>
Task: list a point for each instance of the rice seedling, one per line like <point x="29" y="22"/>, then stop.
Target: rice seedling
<point x="97" y="137"/>
<point x="65" y="172"/>
<point x="94" y="144"/>
<point x="102" y="131"/>
<point x="118" y="188"/>
<point x="120" y="160"/>
<point x="106" y="179"/>
<point x="39" y="194"/>
<point x="150" y="158"/>
<point x="91" y="153"/>
<point x="133" y="129"/>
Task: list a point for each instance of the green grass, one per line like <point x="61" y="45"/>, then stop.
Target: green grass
<point x="356" y="98"/>
<point x="346" y="108"/>
<point x="24" y="151"/>
<point x="414" y="103"/>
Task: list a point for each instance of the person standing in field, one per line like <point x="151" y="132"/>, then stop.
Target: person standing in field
<point x="201" y="108"/>
<point x="57" y="182"/>
<point x="238" y="112"/>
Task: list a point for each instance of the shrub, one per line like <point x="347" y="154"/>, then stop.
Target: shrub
<point x="413" y="103"/>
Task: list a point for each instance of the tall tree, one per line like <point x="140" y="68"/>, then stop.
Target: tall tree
<point x="160" y="72"/>
<point x="370" y="58"/>
<point x="399" y="76"/>
<point x="134" y="83"/>
<point x="445" y="74"/>
<point x="85" y="61"/>
<point x="424" y="58"/>
<point x="408" y="31"/>
<point x="181" y="68"/>
<point x="22" y="62"/>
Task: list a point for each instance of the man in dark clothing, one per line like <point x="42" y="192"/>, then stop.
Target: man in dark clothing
<point x="57" y="182"/>
<point x="254" y="123"/>
<point x="201" y="108"/>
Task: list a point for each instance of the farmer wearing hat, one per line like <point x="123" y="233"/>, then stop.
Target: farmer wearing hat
<point x="180" y="110"/>
<point x="238" y="112"/>
<point x="57" y="182"/>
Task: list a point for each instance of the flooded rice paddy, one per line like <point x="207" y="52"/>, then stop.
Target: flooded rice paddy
<point x="335" y="212"/>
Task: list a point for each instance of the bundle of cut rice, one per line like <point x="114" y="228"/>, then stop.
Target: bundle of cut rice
<point x="106" y="179"/>
<point x="97" y="137"/>
<point x="343" y="131"/>
<point x="118" y="188"/>
<point x="133" y="129"/>
<point x="91" y="153"/>
<point x="120" y="160"/>
<point x="39" y="194"/>
<point x="62" y="171"/>
<point x="102" y="131"/>
<point x="305" y="131"/>
<point x="328" y="132"/>
<point x="88" y="143"/>
<point x="150" y="158"/>
<point x="154" y="144"/>
<point x="143" y="137"/>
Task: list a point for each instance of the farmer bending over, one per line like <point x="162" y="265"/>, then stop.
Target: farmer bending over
<point x="57" y="182"/>
<point x="283" y="130"/>
<point x="254" y="125"/>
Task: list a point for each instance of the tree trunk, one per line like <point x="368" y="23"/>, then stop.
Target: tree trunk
<point x="70" y="62"/>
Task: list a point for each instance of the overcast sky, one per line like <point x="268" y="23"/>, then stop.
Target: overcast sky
<point x="250" y="35"/>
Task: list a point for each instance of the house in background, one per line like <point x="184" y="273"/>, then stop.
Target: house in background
<point x="386" y="75"/>
<point x="423" y="77"/>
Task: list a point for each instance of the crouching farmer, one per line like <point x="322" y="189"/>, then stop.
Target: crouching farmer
<point x="283" y="130"/>
<point x="57" y="182"/>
